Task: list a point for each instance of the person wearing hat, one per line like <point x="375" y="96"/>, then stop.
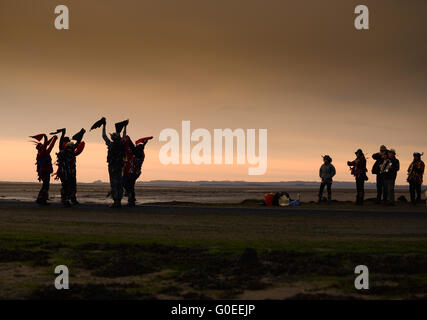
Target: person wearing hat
<point x="358" y="170"/>
<point x="415" y="177"/>
<point x="115" y="159"/>
<point x="390" y="174"/>
<point x="44" y="165"/>
<point x="379" y="159"/>
<point x="67" y="172"/>
<point x="134" y="158"/>
<point x="327" y="172"/>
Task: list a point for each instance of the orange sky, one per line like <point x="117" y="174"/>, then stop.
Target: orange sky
<point x="298" y="69"/>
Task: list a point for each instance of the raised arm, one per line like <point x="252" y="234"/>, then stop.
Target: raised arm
<point x="104" y="135"/>
<point x="61" y="139"/>
<point x="51" y="143"/>
<point x="125" y="132"/>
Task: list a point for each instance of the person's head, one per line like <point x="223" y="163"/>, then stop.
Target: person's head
<point x="391" y="153"/>
<point x="384" y="155"/>
<point x="383" y="149"/>
<point x="417" y="156"/>
<point x="327" y="159"/>
<point x="39" y="146"/>
<point x="69" y="145"/>
<point x="115" y="137"/>
<point x="359" y="153"/>
<point x="65" y="141"/>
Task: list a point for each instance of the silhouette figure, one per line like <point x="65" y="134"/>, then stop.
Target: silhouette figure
<point x="358" y="170"/>
<point x="415" y="177"/>
<point x="44" y="165"/>
<point x="67" y="171"/>
<point x="327" y="172"/>
<point x="115" y="159"/>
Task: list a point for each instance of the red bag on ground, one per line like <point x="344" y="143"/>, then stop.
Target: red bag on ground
<point x="269" y="199"/>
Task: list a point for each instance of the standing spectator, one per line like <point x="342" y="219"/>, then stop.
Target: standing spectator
<point x="376" y="168"/>
<point x="358" y="170"/>
<point x="415" y="177"/>
<point x="327" y="172"/>
<point x="390" y="174"/>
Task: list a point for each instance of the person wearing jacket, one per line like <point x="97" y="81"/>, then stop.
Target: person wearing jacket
<point x="358" y="170"/>
<point x="115" y="158"/>
<point x="379" y="159"/>
<point x="327" y="172"/>
<point x="134" y="158"/>
<point x="415" y="177"/>
<point x="44" y="165"/>
<point x="389" y="169"/>
<point x="67" y="169"/>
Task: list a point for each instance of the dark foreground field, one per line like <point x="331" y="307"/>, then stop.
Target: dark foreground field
<point x="211" y="252"/>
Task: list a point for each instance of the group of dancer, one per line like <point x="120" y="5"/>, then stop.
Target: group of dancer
<point x="125" y="159"/>
<point x="385" y="168"/>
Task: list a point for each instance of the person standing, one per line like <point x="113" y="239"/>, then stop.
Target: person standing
<point x="134" y="158"/>
<point x="358" y="170"/>
<point x="115" y="159"/>
<point x="327" y="172"/>
<point x="44" y="165"/>
<point x="376" y="168"/>
<point x="390" y="174"/>
<point x="67" y="171"/>
<point x="415" y="177"/>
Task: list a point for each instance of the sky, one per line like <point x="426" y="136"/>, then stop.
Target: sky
<point x="296" y="68"/>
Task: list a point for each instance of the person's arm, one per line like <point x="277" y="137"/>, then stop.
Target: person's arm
<point x="61" y="139"/>
<point x="79" y="149"/>
<point x="104" y="135"/>
<point x="334" y="172"/>
<point x="80" y="136"/>
<point x="125" y="132"/>
<point x="51" y="143"/>
<point x="130" y="143"/>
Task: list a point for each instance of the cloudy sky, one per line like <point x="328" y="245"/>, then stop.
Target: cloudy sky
<point x="296" y="68"/>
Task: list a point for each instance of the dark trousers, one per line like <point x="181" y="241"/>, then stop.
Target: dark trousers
<point x="328" y="186"/>
<point x="415" y="189"/>
<point x="44" y="191"/>
<point x="68" y="189"/>
<point x="360" y="189"/>
<point x="381" y="192"/>
<point x="129" y="185"/>
<point x="389" y="184"/>
<point x="115" y="173"/>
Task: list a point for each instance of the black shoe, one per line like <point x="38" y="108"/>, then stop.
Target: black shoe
<point x="131" y="204"/>
<point x="75" y="202"/>
<point x="115" y="205"/>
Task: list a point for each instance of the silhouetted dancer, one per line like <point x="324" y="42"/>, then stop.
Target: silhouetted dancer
<point x="115" y="159"/>
<point x="134" y="158"/>
<point x="67" y="171"/>
<point x="44" y="165"/>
